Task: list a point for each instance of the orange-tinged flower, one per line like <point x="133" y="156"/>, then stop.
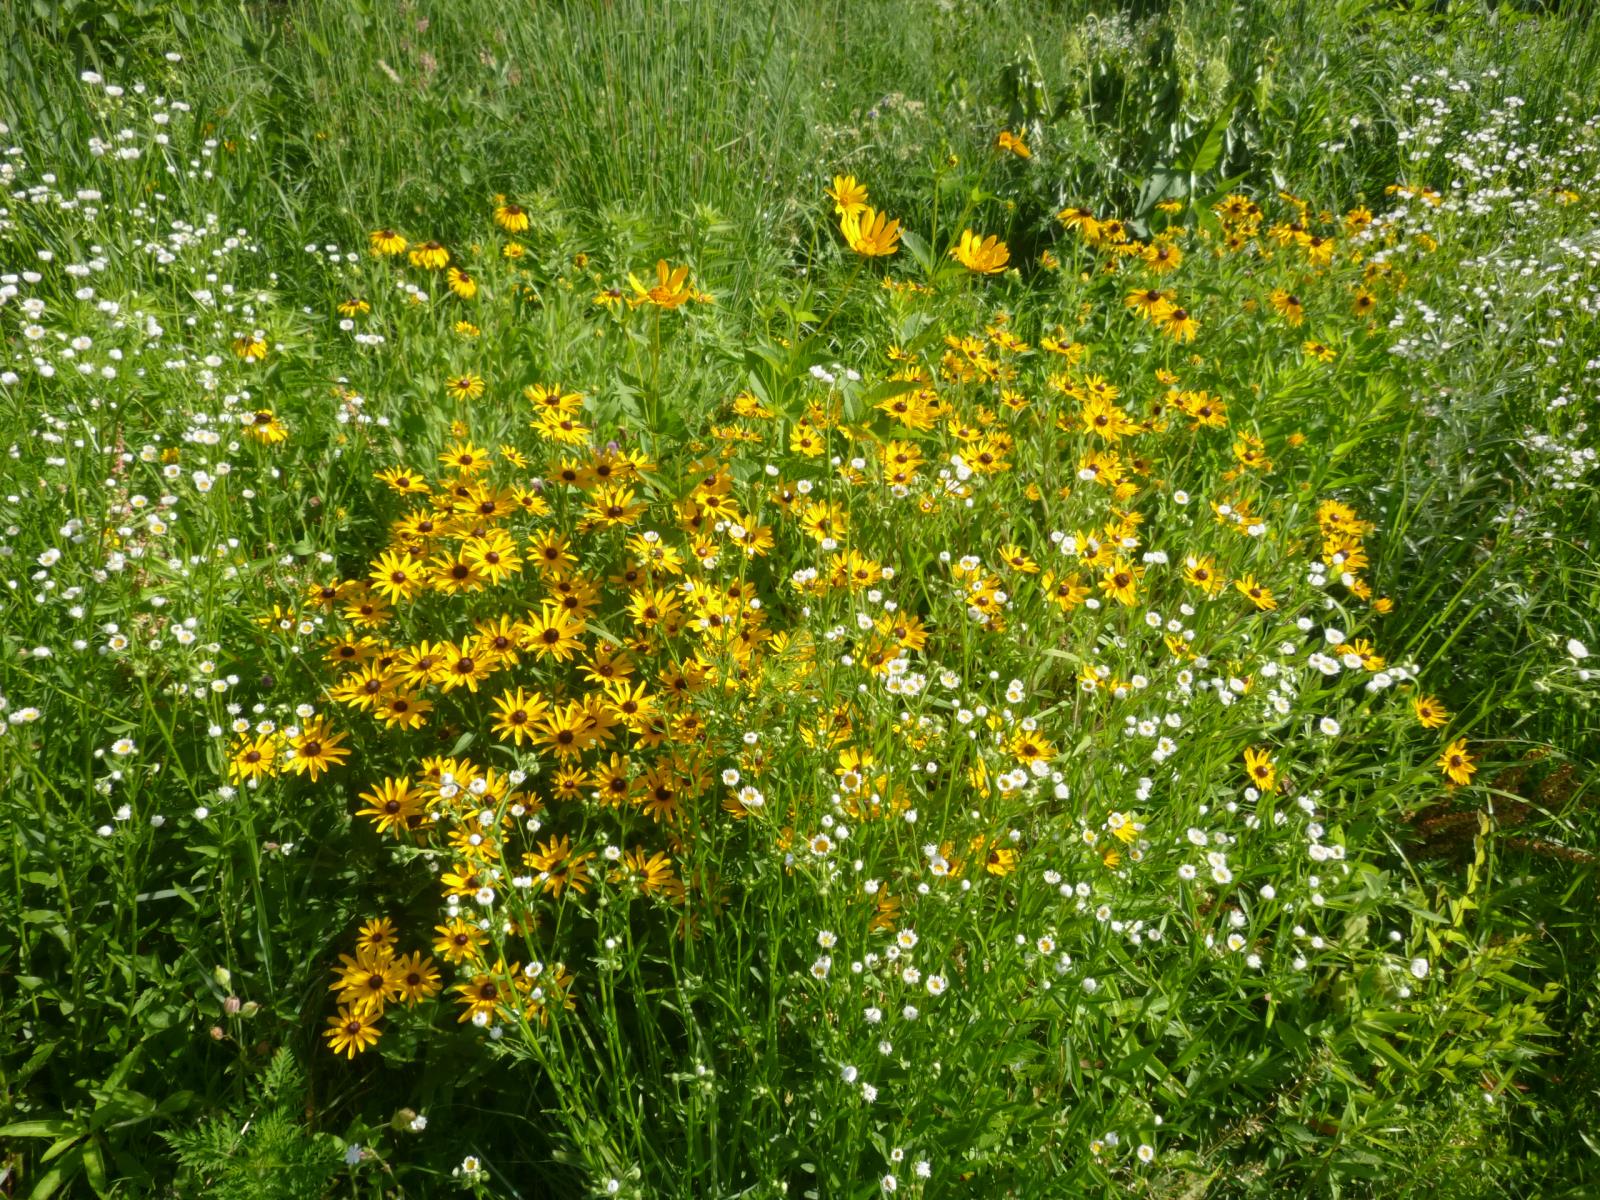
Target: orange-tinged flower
<point x="1014" y="143"/>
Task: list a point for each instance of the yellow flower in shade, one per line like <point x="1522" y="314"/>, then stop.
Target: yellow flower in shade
<point x="1255" y="593"/>
<point x="352" y="1031"/>
<point x="459" y="941"/>
<point x="378" y="934"/>
<point x="870" y="233"/>
<point x="1012" y="142"/>
<point x="365" y="688"/>
<point x="1263" y="772"/>
<point x="1456" y="763"/>
<point x="316" y="748"/>
<point x="430" y="255"/>
<point x="403" y="710"/>
<point x="483" y="997"/>
<point x="366" y="982"/>
<point x="251" y="349"/>
<point x="386" y="243"/>
<point x="981" y="255"/>
<point x="511" y="218"/>
<point x="464" y="387"/>
<point x="671" y="289"/>
<point x="847" y="195"/>
<point x="391" y="805"/>
<point x="461" y="283"/>
<point x="559" y="866"/>
<point x="417" y="978"/>
<point x="1430" y="713"/>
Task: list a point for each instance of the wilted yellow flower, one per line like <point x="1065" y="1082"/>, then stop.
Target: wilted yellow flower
<point x="1014" y="143"/>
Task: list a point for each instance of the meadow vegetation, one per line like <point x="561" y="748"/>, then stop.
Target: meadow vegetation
<point x="680" y="600"/>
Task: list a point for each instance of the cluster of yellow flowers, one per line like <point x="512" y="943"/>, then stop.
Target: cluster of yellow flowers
<point x="615" y="620"/>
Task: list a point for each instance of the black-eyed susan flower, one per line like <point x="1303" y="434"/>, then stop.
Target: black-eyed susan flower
<point x="1429" y="712"/>
<point x="1457" y="764"/>
<point x="262" y="425"/>
<point x="429" y="255"/>
<point x="1254" y="592"/>
<point x="467" y="386"/>
<point x="254" y="758"/>
<point x="385" y="243"/>
<point x="459" y="941"/>
<point x="392" y="805"/>
<point x="511" y="217"/>
<point x="1263" y="772"/>
<point x="516" y="713"/>
<point x="461" y="283"/>
<point x="416" y="978"/>
<point x="316" y="748"/>
<point x="351" y="1031"/>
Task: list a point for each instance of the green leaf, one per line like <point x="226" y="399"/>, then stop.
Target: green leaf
<point x="53" y="1127"/>
<point x="918" y="247"/>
